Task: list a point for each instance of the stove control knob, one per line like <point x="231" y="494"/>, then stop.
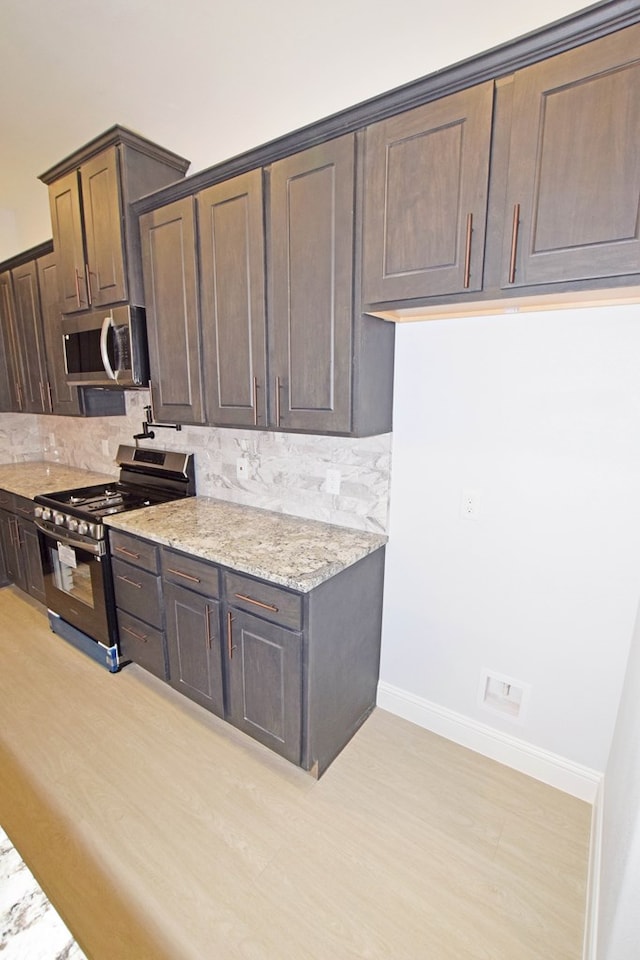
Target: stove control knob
<point x="83" y="528"/>
<point x="58" y="517"/>
<point x="37" y="511"/>
<point x="46" y="513"/>
<point x="72" y="524"/>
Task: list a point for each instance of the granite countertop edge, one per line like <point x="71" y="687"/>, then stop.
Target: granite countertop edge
<point x="289" y="551"/>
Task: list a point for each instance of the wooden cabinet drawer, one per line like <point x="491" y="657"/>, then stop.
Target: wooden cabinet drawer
<point x="7" y="501"/>
<point x="23" y="507"/>
<point x="191" y="572"/>
<point x="264" y="599"/>
<point x="138" y="592"/>
<point x="142" y="643"/>
<point x="140" y="553"/>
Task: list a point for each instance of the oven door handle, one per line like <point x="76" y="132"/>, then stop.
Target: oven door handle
<point x="98" y="548"/>
<point x="107" y="323"/>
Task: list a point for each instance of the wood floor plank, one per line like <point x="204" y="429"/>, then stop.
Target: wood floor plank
<point x="160" y="832"/>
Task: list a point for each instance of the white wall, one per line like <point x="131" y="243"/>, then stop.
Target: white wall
<point x="619" y="921"/>
<point x="540" y="414"/>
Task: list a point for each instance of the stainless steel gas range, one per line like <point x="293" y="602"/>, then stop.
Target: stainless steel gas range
<point x="74" y="544"/>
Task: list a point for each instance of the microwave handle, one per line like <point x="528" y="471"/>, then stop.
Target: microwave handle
<point x="104" y="333"/>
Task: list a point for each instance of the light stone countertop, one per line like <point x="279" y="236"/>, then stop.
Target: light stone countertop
<point x="31" y="477"/>
<point x="290" y="551"/>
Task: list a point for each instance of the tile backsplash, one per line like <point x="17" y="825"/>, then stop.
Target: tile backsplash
<point x="284" y="472"/>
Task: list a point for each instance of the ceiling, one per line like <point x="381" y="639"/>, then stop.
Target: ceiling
<point x="212" y="78"/>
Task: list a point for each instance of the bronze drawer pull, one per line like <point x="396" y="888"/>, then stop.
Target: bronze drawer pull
<point x="131" y="583"/>
<point x="467" y="252"/>
<point x="258" y="603"/>
<point x="139" y="636"/>
<point x="514" y="242"/>
<point x="128" y="553"/>
<point x="186" y="576"/>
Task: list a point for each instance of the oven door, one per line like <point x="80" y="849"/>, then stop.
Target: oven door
<point x="78" y="585"/>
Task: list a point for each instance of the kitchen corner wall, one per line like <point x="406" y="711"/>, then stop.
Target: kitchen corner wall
<point x="286" y="472"/>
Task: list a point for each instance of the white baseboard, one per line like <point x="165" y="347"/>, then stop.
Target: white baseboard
<point x="572" y="778"/>
<point x="593" y="880"/>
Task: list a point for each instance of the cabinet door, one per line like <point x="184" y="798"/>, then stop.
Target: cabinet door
<point x="173" y="325"/>
<point x="9" y="535"/>
<point x="68" y="242"/>
<point x="64" y="398"/>
<point x="574" y="169"/>
<point x="425" y="200"/>
<point x="232" y="281"/>
<point x="32" y="577"/>
<point x="10" y="373"/>
<point x="31" y="338"/>
<point x="101" y="206"/>
<point x="311" y="274"/>
<point x="264" y="669"/>
<point x="193" y="644"/>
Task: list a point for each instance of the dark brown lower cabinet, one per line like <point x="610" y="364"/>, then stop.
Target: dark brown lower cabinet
<point x="20" y="549"/>
<point x="297" y="671"/>
<point x="264" y="674"/>
<point x="193" y="645"/>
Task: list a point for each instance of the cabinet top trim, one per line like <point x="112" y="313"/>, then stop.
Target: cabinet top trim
<point x="115" y="135"/>
<point x="34" y="253"/>
<point x="578" y="28"/>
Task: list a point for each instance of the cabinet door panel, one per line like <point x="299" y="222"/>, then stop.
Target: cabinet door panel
<point x="101" y="206"/>
<point x="10" y="384"/>
<point x="193" y="643"/>
<point x="64" y="398"/>
<point x="265" y="683"/>
<point x="33" y="578"/>
<point x="171" y="298"/>
<point x="29" y="325"/>
<point x="575" y="166"/>
<point x="68" y="242"/>
<point x="231" y="244"/>
<point x="311" y="243"/>
<point x="426" y="185"/>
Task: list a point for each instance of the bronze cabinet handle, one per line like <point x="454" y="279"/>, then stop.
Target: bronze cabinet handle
<point x="255" y="401"/>
<point x="207" y="614"/>
<point x="230" y="635"/>
<point x="258" y="603"/>
<point x="128" y="553"/>
<point x="514" y="242"/>
<point x="467" y="252"/>
<point x="185" y="576"/>
<point x="139" y="636"/>
<point x="132" y="583"/>
<point x="278" y="387"/>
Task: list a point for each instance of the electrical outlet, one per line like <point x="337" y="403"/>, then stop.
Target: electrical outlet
<point x="242" y="468"/>
<point x="503" y="694"/>
<point x="333" y="481"/>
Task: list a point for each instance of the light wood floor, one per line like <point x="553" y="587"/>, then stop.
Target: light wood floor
<point x="160" y="833"/>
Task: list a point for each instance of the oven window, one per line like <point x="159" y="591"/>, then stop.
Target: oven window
<point x="70" y="576"/>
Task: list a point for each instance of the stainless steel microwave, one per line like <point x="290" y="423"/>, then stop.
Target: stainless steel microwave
<point x="106" y="348"/>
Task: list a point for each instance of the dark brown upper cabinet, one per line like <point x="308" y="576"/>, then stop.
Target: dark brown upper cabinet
<point x="65" y="399"/>
<point x="311" y="249"/>
<point x="95" y="235"/>
<point x="31" y="358"/>
<point x="10" y="375"/>
<point x="233" y="305"/>
<point x="168" y="237"/>
<point x="573" y="187"/>
<point x="425" y="198"/>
